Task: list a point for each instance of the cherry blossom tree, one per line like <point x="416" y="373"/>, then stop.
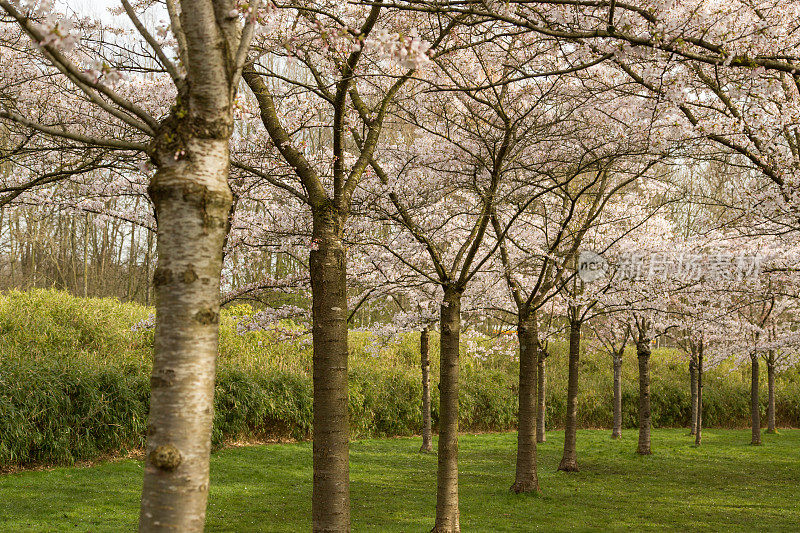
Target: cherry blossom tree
<point x="336" y="50"/>
<point x="188" y="146"/>
<point x="442" y="200"/>
<point x="757" y="308"/>
<point x="613" y="335"/>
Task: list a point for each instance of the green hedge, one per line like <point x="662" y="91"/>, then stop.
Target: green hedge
<point x="55" y="413"/>
<point x="74" y="385"/>
<point x="60" y="414"/>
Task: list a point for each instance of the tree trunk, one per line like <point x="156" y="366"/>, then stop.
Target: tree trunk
<point x="569" y="461"/>
<point x="447" y="517"/>
<point x="616" y="432"/>
<point x="191" y="198"/>
<point x="699" y="421"/>
<point x="526" y="479"/>
<point x="755" y="408"/>
<point x="86" y="258"/>
<point x="73" y="255"/>
<point x="130" y="289"/>
<point x="693" y="387"/>
<point x="425" y="363"/>
<point x="541" y="410"/>
<point x="330" y="502"/>
<point x="771" y="396"/>
<point x="148" y="285"/>
<point x="643" y="354"/>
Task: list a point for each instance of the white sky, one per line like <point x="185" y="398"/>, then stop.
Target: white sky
<point x="89" y="7"/>
<point x="100" y="9"/>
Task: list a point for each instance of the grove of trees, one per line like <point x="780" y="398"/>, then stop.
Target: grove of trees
<point x="610" y="173"/>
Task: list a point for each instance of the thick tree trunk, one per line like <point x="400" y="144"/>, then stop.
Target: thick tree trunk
<point x="526" y="479"/>
<point x="447" y="517"/>
<point x="643" y="354"/>
<point x="699" y="421"/>
<point x="541" y="410"/>
<point x="192" y="201"/>
<point x="693" y="388"/>
<point x="191" y="198"/>
<point x="330" y="503"/>
<point x="771" y="396"/>
<point x="755" y="408"/>
<point x="425" y="363"/>
<point x="569" y="461"/>
<point x="616" y="432"/>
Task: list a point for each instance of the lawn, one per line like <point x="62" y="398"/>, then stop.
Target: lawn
<point x="724" y="485"/>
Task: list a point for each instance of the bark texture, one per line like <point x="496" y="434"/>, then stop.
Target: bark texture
<point x="447" y="516"/>
<point x="569" y="460"/>
<point x="755" y="408"/>
<point x="192" y="202"/>
<point x="192" y="199"/>
<point x="425" y="364"/>
<point x="643" y="354"/>
<point x="541" y="410"/>
<point x="330" y="503"/>
<point x="526" y="479"/>
<point x="693" y="388"/>
<point x="771" y="396"/>
<point x="616" y="431"/>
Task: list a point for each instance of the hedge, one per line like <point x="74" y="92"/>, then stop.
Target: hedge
<point x="74" y="385"/>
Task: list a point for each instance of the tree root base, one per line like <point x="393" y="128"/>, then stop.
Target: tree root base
<point x="568" y="466"/>
<point x="437" y="529"/>
<point x="520" y="487"/>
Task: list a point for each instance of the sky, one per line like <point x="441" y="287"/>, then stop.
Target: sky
<point x="89" y="7"/>
<point x="100" y="9"/>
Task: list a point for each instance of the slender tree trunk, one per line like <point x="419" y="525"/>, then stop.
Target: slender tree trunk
<point x="526" y="479"/>
<point x="148" y="285"/>
<point x="192" y="198"/>
<point x="693" y="387"/>
<point x="699" y="421"/>
<point x="569" y="461"/>
<point x="616" y="432"/>
<point x="330" y="503"/>
<point x="643" y="353"/>
<point x="447" y="517"/>
<point x="12" y="247"/>
<point x="541" y="410"/>
<point x="755" y="408"/>
<point x="34" y="249"/>
<point x="129" y="292"/>
<point x="86" y="258"/>
<point x="101" y="276"/>
<point x="425" y="363"/>
<point x="771" y="396"/>
<point x="73" y="255"/>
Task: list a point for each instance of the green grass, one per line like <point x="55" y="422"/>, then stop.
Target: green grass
<point x="724" y="485"/>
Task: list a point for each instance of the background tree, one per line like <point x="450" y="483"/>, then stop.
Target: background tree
<point x="613" y="335"/>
